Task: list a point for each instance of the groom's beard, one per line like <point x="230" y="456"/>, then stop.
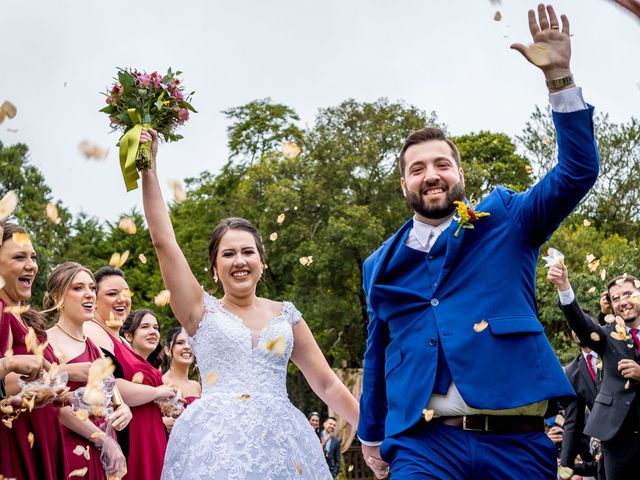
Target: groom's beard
<point x="419" y="204"/>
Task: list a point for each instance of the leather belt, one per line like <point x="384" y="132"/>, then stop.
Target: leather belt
<point x="495" y="423"/>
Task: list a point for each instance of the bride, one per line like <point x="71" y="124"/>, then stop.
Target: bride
<point x="244" y="426"/>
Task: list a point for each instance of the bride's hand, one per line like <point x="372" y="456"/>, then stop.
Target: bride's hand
<point x="150" y="135"/>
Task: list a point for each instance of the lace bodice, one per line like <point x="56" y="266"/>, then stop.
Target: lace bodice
<point x="242" y="361"/>
<point x="243" y="427"/>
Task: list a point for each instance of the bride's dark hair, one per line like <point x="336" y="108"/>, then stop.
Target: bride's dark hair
<point x="233" y="223"/>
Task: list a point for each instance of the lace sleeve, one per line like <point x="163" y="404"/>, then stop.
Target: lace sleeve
<point x="293" y="315"/>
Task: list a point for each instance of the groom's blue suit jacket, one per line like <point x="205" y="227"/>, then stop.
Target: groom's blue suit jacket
<point x="418" y="323"/>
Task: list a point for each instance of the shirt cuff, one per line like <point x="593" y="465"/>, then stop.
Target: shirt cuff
<point x="369" y="444"/>
<point x="568" y="100"/>
<point x="566" y="296"/>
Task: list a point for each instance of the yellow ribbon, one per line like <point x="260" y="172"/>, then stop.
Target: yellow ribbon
<point x="129" y="143"/>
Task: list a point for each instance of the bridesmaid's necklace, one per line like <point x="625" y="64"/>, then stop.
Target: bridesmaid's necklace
<point x="81" y="340"/>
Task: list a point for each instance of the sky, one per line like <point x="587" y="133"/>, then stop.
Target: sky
<point x="447" y="56"/>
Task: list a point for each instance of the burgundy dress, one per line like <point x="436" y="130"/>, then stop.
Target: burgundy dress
<point x="189" y="400"/>
<point x="147" y="437"/>
<point x="95" y="470"/>
<point x="45" y="460"/>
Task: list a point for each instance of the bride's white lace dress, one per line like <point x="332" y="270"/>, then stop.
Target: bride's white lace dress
<point x="244" y="426"/>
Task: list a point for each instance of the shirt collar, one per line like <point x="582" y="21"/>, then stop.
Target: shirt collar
<point x="592" y="353"/>
<point x="422" y="231"/>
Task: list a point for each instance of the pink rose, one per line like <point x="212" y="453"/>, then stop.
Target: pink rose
<point x="145" y="80"/>
<point x="110" y="100"/>
<point x="183" y="115"/>
<point x="177" y="94"/>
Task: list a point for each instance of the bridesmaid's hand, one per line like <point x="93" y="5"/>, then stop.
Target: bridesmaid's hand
<point x="165" y="393"/>
<point x="168" y="423"/>
<point x="121" y="417"/>
<point x="78" y="372"/>
<point x="114" y="462"/>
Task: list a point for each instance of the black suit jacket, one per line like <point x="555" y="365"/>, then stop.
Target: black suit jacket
<point x="333" y="456"/>
<point x="613" y="401"/>
<point x="574" y="441"/>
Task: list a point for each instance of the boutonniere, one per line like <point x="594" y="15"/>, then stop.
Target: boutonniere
<point x="466" y="216"/>
<point x="599" y="370"/>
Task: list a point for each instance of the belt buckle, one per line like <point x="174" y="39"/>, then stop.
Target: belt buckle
<point x="469" y="429"/>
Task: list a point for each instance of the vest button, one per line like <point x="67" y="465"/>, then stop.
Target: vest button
<point x="628" y="404"/>
<point x="430" y="257"/>
<point x="432" y="341"/>
<point x="435" y="302"/>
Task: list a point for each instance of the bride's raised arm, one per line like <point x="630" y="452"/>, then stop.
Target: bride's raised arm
<point x="186" y="292"/>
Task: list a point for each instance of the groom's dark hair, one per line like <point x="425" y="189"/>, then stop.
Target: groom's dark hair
<point x="426" y="134"/>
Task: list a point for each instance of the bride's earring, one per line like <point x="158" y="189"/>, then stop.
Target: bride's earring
<point x="215" y="275"/>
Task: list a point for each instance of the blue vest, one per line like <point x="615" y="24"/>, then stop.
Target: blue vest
<point x="416" y="271"/>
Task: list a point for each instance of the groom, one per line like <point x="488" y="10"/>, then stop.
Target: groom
<point x="458" y="371"/>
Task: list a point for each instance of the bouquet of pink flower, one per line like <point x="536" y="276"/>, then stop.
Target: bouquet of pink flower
<point x="139" y="100"/>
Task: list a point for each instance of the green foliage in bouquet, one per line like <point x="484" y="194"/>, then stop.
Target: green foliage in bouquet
<point x="138" y="100"/>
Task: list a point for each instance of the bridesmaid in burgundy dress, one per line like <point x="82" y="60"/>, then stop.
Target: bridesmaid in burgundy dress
<point x="140" y="384"/>
<point x="71" y="298"/>
<point x="18" y="459"/>
<point x="177" y="363"/>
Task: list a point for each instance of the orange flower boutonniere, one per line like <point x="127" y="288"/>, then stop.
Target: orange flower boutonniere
<point x="466" y="216"/>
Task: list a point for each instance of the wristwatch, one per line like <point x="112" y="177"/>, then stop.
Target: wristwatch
<point x="560" y="82"/>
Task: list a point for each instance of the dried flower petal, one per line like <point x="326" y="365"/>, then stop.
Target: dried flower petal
<point x="590" y="258"/>
<point x="586" y="223"/>
<point x="142" y="258"/>
<point x="498" y="16"/>
<point x="591" y="290"/>
<point x="163" y="298"/>
<point x="8" y="204"/>
<point x="603" y="274"/>
<point x="52" y="214"/>
<point x="306" y="260"/>
<point x="539" y="54"/>
<point x="212" y="378"/>
<point x="528" y="169"/>
<point x="290" y="150"/>
<point x="298" y="467"/>
<point x="31" y="438"/>
<point x="137" y="377"/>
<point x="17" y="309"/>
<point x="9" y="109"/>
<point x="565" y="473"/>
<point x="276" y="345"/>
<point x="350" y="468"/>
<point x="82" y="414"/>
<point x="627" y="385"/>
<point x="95" y="435"/>
<point x="79" y="472"/>
<point x="281" y="218"/>
<point x="595" y="337"/>
<point x="273" y="237"/>
<point x="179" y="193"/>
<point x="118" y="260"/>
<point x="427" y="413"/>
<point x="128" y="226"/>
<point x="8" y="422"/>
<point x="618" y="336"/>
<point x="244" y="396"/>
<point x="480" y="326"/>
<point x="6" y="409"/>
<point x="21" y="239"/>
<point x="78" y="450"/>
<point x="92" y="150"/>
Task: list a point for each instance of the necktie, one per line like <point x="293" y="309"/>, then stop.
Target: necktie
<point x="592" y="372"/>
<point x="432" y="235"/>
<point x="634" y="334"/>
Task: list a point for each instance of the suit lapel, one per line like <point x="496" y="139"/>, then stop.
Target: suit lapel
<point x="387" y="251"/>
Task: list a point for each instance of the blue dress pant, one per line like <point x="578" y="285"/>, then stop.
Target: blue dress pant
<point x="437" y="451"/>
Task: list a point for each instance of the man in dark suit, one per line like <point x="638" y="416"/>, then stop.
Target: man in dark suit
<point x="615" y="417"/>
<point x="331" y="446"/>
<point x="583" y="373"/>
<point x="458" y="372"/>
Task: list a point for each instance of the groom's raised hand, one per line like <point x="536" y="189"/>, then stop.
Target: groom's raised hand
<point x="551" y="50"/>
